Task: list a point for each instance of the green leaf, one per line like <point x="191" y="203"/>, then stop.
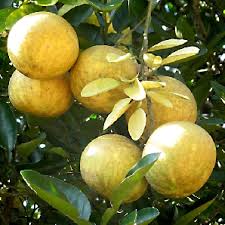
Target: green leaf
<point x="65" y="197"/>
<point x="5" y="3"/>
<point x="129" y="219"/>
<point x="189" y="217"/>
<point x="135" y="175"/>
<point x="8" y="129"/>
<point x="59" y="151"/>
<point x="170" y="43"/>
<point x="146" y="216"/>
<point x="21" y="12"/>
<point x="25" y="149"/>
<point x="4" y="13"/>
<point x="219" y="89"/>
<point x="143" y="217"/>
<point x="99" y="86"/>
<point x="79" y="14"/>
<point x="184" y="30"/>
<point x="45" y="2"/>
<point x="111" y="5"/>
<point x="65" y="9"/>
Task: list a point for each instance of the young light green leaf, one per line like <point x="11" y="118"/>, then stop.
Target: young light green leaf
<point x="112" y="57"/>
<point x="45" y="2"/>
<point x="179" y="95"/>
<point x="153" y="84"/>
<point x="167" y="44"/>
<point x="8" y="129"/>
<point x="4" y="13"/>
<point x="137" y="123"/>
<point x="25" y="149"/>
<point x="135" y="91"/>
<point x="187" y="218"/>
<point x="99" y="86"/>
<point x="118" y="110"/>
<point x="160" y="98"/>
<point x="135" y="175"/>
<point x="128" y="81"/>
<point x="65" y="197"/>
<point x="181" y="54"/>
<point x="152" y="61"/>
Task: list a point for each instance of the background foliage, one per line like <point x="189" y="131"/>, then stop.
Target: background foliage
<point x="53" y="146"/>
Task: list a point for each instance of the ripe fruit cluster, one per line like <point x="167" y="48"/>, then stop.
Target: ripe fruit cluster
<point x="43" y="47"/>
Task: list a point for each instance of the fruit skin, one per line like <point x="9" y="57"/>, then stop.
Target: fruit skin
<point x="106" y="161"/>
<point x="188" y="156"/>
<point x="44" y="98"/>
<point x="91" y="65"/>
<point x="182" y="110"/>
<point x="42" y="45"/>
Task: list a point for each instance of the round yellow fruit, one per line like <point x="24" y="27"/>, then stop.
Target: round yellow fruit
<point x="182" y="109"/>
<point x="42" y="45"/>
<point x="92" y="64"/>
<point x="188" y="156"/>
<point x="44" y="98"/>
<point x="106" y="161"/>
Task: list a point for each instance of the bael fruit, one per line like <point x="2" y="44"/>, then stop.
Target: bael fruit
<point x="106" y="161"/>
<point x="91" y="65"/>
<point x="42" y="45"/>
<point x="44" y="98"/>
<point x="188" y="156"/>
<point x="182" y="109"/>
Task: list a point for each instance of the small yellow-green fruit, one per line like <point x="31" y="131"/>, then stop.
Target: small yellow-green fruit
<point x="188" y="156"/>
<point x="92" y="64"/>
<point x="106" y="161"/>
<point x="43" y="98"/>
<point x="182" y="109"/>
<point x="42" y="45"/>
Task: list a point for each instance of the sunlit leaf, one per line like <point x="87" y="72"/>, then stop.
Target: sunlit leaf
<point x="160" y="98"/>
<point x="152" y="61"/>
<point x="45" y="2"/>
<point x="167" y="44"/>
<point x="99" y="86"/>
<point x="137" y="123"/>
<point x="135" y="91"/>
<point x="112" y="57"/>
<point x="118" y="110"/>
<point x="128" y="81"/>
<point x="152" y="84"/>
<point x="181" y="54"/>
<point x="180" y="95"/>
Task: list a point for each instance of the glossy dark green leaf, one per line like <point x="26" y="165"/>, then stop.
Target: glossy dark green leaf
<point x="45" y="2"/>
<point x="189" y="217"/>
<point x="8" y="128"/>
<point x="142" y="217"/>
<point x="21" y="12"/>
<point x="4" y="13"/>
<point x="219" y="89"/>
<point x="121" y="18"/>
<point x="130" y="218"/>
<point x="78" y="14"/>
<point x="65" y="197"/>
<point x="5" y="3"/>
<point x="111" y="5"/>
<point x="25" y="149"/>
<point x="184" y="29"/>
